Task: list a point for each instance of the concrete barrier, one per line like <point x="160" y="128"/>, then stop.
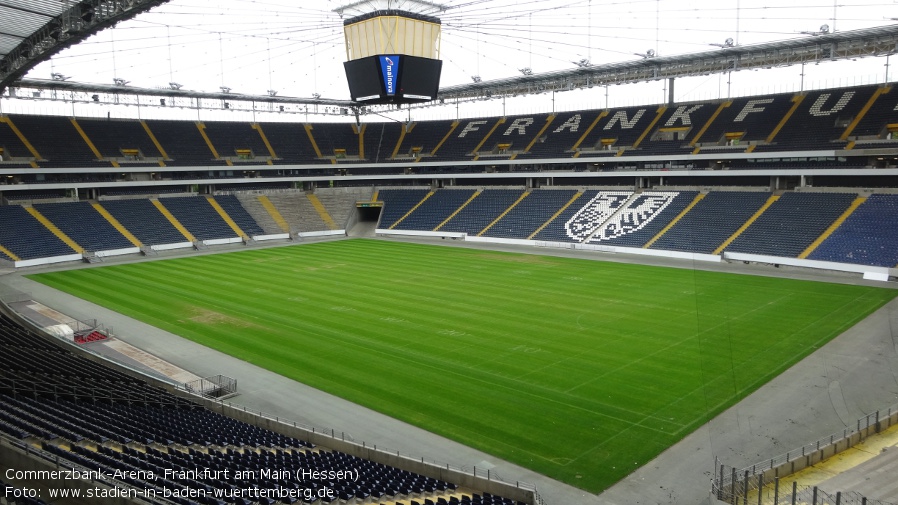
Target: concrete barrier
<point x="168" y="247"/>
<point x="875" y="273"/>
<point x="322" y="233"/>
<point x="48" y="260"/>
<point x="417" y="233"/>
<point x="118" y="252"/>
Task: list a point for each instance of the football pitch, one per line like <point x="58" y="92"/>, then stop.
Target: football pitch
<point x="580" y="370"/>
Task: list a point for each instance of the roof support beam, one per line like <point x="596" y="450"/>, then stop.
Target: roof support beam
<point x="70" y="27"/>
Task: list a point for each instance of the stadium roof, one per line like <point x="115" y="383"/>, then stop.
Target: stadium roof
<point x="879" y="41"/>
<point x="290" y="53"/>
<point x="33" y="30"/>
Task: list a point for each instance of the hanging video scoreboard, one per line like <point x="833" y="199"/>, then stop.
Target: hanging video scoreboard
<point x="392" y="57"/>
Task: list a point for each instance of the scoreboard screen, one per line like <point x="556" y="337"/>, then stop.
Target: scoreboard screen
<point x="393" y="79"/>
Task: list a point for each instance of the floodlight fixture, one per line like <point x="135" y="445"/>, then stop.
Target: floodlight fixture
<point x="583" y="63"/>
<point x="119" y="81"/>
<point x="175" y="85"/>
<point x="729" y="42"/>
<point x="56" y="76"/>
<point x="224" y="89"/>
<point x="823" y="30"/>
<point x="272" y="92"/>
<point x="476" y="78"/>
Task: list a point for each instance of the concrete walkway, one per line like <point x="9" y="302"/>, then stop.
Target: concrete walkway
<point x="854" y="374"/>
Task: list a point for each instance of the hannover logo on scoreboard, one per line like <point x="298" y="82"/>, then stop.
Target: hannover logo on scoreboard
<point x="389" y="67"/>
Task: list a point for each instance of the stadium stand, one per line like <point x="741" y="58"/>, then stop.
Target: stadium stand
<point x="200" y="218"/>
<point x="11" y="498"/>
<point x="183" y="143"/>
<point x="237" y="142"/>
<point x="533" y="211"/>
<point x="379" y="141"/>
<point x="869" y="236"/>
<point x="31" y="196"/>
<point x="291" y="143"/>
<point x="27" y="238"/>
<point x="144" y="221"/>
<point x="99" y="418"/>
<point x="483" y="210"/>
<point x="819" y="119"/>
<point x="14" y="149"/>
<point x="435" y="209"/>
<point x="85" y="225"/>
<point x="423" y="138"/>
<point x="814" y="120"/>
<point x="124" y="140"/>
<point x="268" y="221"/>
<point x="398" y="203"/>
<point x="643" y="216"/>
<point x="565" y="133"/>
<point x="584" y="216"/>
<point x="57" y="140"/>
<point x="791" y="224"/>
<point x="233" y="208"/>
<point x="468" y="137"/>
<point x="333" y="137"/>
<point x="713" y="219"/>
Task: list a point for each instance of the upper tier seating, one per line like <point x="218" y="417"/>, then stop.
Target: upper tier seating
<point x="183" y="143"/>
<point x="711" y="221"/>
<point x="791" y="224"/>
<point x="820" y="120"/>
<point x="379" y="141"/>
<point x="56" y="140"/>
<point x="869" y="236"/>
<point x="144" y="221"/>
<point x="13" y="147"/>
<point x="425" y="135"/>
<point x="230" y="137"/>
<point x="26" y="237"/>
<point x="817" y="123"/>
<point x="83" y="224"/>
<point x="562" y="134"/>
<point x="291" y="143"/>
<point x="110" y="137"/>
<point x="754" y="118"/>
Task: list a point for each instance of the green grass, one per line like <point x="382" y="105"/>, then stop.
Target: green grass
<point x="581" y="370"/>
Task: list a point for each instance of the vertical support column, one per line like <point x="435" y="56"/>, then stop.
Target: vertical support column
<point x="733" y="486"/>
<point x="760" y="487"/>
<point x="670" y="91"/>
